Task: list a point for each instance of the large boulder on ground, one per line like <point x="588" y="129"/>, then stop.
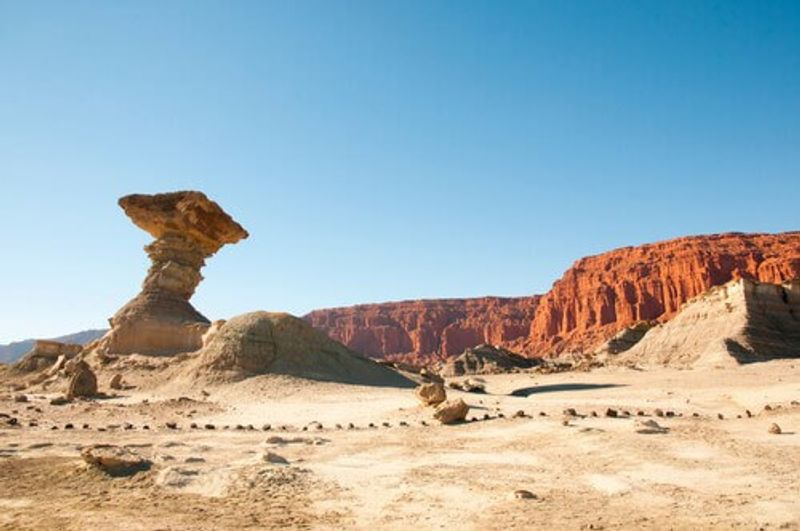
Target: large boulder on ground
<point x="277" y="343"/>
<point x="431" y="394"/>
<point x="114" y="460"/>
<point x="82" y="382"/>
<point x="451" y="411"/>
<point x="188" y="228"/>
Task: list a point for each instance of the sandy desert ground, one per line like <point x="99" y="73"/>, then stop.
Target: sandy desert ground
<point x="595" y="472"/>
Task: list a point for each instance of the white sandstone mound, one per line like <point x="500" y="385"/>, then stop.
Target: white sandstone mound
<point x="742" y="321"/>
<point x="278" y="343"/>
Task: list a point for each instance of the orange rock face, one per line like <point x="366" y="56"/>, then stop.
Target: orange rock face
<point x="600" y="295"/>
<point x="423" y="331"/>
<point x="597" y="297"/>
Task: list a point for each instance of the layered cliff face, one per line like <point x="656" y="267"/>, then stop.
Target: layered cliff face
<point x="600" y="295"/>
<point x="427" y="330"/>
<point x="595" y="299"/>
<point x="741" y="322"/>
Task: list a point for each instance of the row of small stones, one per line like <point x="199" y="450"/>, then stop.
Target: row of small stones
<point x="569" y="412"/>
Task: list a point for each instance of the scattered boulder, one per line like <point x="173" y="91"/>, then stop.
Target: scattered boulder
<point x="114" y="460"/>
<point x="83" y="382"/>
<point x="451" y="411"/>
<point x="431" y="394"/>
<point x="59" y="401"/>
<point x="775" y="429"/>
<point x="116" y="382"/>
<point x="20" y="398"/>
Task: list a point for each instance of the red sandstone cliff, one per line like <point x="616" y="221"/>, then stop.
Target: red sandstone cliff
<point x="600" y="295"/>
<point x="597" y="297"/>
<point x="422" y="331"/>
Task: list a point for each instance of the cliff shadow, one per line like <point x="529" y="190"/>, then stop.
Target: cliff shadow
<point x="555" y="388"/>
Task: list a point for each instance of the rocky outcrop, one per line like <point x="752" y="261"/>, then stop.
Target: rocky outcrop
<point x="625" y="338"/>
<point x="423" y="331"/>
<point x="600" y="295"/>
<point x="741" y="322"/>
<point x="278" y="343"/>
<point x="45" y="354"/>
<point x="188" y="228"/>
<point x="484" y="359"/>
<point x="595" y="299"/>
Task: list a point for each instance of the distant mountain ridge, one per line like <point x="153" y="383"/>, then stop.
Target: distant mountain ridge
<point x="13" y="351"/>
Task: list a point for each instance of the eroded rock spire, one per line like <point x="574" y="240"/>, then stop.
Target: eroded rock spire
<point x="188" y="228"/>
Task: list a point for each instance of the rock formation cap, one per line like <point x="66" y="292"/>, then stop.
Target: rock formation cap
<point x="187" y="213"/>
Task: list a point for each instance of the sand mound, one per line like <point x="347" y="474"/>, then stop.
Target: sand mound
<point x="741" y="322"/>
<point x="278" y="343"/>
<point x="484" y="359"/>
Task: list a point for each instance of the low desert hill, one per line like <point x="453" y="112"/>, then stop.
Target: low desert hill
<point x="741" y="322"/>
<point x="260" y="343"/>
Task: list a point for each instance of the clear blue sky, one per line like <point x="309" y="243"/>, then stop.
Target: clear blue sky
<point x="382" y="150"/>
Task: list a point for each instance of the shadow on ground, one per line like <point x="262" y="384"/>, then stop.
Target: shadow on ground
<point x="555" y="388"/>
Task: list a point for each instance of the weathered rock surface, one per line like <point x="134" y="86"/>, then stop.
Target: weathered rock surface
<point x="188" y="228"/>
<point x="484" y="359"/>
<point x="600" y="295"/>
<point x="451" y="411"/>
<point x="278" y="343"/>
<point x="114" y="460"/>
<point x="82" y="381"/>
<point x="420" y="332"/>
<point x="625" y="338"/>
<point x="741" y="322"/>
<point x="45" y="354"/>
<point x="116" y="382"/>
<point x="12" y="352"/>
<point x="595" y="299"/>
<point x="431" y="394"/>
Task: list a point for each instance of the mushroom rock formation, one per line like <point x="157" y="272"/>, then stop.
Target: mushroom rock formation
<point x="188" y="228"/>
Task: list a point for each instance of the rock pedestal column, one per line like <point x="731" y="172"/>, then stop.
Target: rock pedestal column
<point x="188" y="228"/>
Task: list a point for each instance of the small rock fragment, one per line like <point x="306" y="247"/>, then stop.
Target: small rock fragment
<point x="116" y="382"/>
<point x="649" y="426"/>
<point x="275" y="459"/>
